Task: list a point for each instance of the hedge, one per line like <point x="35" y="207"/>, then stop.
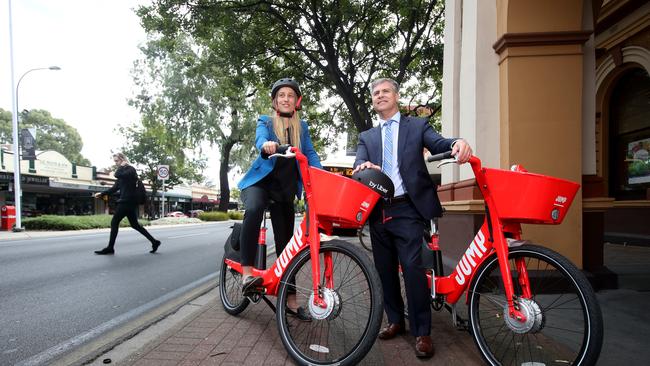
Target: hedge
<point x="236" y="215"/>
<point x="60" y="223"/>
<point x="220" y="215"/>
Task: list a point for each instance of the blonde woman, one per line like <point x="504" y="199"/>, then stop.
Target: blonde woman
<point x="274" y="180"/>
<point x="127" y="204"/>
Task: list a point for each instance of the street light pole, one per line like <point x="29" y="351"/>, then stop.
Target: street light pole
<point x="14" y="119"/>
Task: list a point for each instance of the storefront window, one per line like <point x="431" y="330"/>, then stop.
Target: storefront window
<point x="630" y="137"/>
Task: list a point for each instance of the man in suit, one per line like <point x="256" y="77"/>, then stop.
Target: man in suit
<point x="396" y="225"/>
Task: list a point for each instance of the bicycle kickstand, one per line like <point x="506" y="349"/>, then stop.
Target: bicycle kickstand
<point x="457" y="320"/>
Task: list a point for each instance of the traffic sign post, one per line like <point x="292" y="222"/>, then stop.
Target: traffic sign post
<point x="163" y="174"/>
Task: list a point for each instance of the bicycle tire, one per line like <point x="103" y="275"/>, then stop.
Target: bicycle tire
<point x="557" y="333"/>
<point x="230" y="288"/>
<point x="326" y="341"/>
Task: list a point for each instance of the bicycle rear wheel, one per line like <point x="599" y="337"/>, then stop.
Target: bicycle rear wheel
<point x="344" y="332"/>
<point x="230" y="288"/>
<point x="564" y="323"/>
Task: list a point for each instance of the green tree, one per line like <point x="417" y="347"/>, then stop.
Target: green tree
<point x="335" y="47"/>
<point x="52" y="133"/>
<point x="199" y="97"/>
<point x="151" y="145"/>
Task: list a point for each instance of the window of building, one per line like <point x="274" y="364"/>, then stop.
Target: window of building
<point x="630" y="137"/>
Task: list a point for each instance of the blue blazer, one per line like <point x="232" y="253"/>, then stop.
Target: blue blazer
<point x="414" y="135"/>
<point x="262" y="167"/>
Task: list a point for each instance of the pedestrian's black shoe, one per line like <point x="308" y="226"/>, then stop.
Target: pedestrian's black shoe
<point x="107" y="250"/>
<point x="154" y="246"/>
<point x="251" y="285"/>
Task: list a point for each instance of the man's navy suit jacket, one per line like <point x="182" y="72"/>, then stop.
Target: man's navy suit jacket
<point x="414" y="135"/>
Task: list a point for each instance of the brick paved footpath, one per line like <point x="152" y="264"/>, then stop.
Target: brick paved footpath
<point x="213" y="337"/>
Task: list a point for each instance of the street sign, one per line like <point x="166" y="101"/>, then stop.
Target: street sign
<point x="163" y="172"/>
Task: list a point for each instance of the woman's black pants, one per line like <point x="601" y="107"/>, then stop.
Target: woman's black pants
<point x="256" y="199"/>
<point x="130" y="210"/>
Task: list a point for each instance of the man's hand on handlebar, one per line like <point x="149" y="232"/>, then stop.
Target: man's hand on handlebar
<point x="366" y="165"/>
<point x="462" y="151"/>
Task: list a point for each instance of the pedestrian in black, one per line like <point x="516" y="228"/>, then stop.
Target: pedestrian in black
<point x="127" y="203"/>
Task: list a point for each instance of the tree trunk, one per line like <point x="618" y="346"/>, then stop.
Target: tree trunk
<point x="224" y="197"/>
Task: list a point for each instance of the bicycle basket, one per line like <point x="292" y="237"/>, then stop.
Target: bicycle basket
<point x="341" y="202"/>
<point x="528" y="197"/>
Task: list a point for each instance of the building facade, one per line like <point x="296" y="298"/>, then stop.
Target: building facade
<point x="561" y="87"/>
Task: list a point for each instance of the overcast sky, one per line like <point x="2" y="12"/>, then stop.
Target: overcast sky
<point x="95" y="42"/>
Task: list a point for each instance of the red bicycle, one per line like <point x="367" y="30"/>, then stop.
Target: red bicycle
<point x="527" y="304"/>
<point x="336" y="283"/>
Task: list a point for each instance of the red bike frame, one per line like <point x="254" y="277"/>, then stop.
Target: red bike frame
<point x="307" y="234"/>
<point x="547" y="207"/>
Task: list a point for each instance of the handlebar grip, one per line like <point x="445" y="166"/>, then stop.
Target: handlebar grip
<point x="281" y="149"/>
<point x="441" y="156"/>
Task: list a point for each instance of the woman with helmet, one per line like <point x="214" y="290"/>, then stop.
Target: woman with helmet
<point x="274" y="182"/>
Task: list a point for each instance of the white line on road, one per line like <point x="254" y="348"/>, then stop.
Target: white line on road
<point x="53" y="352"/>
<point x="185" y="236"/>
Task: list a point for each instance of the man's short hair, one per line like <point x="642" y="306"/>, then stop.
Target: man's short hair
<point x="392" y="82"/>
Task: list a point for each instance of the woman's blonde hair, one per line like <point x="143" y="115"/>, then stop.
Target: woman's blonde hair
<point x="280" y="128"/>
<point x="121" y="156"/>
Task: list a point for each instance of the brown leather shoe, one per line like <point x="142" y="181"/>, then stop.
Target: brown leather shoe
<point x="423" y="347"/>
<point x="390" y="331"/>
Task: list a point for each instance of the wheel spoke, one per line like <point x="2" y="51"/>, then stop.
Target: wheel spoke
<point x="342" y="332"/>
<point x="556" y="329"/>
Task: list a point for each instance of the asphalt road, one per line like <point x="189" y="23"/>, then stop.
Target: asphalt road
<point x="56" y="294"/>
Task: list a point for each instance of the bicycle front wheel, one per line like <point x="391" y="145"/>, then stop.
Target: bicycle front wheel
<point x="564" y="324"/>
<point x="344" y="331"/>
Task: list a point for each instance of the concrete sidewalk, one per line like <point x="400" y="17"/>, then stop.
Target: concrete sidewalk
<point x="212" y="337"/>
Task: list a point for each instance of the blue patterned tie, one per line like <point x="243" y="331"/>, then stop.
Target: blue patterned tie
<point x="387" y="164"/>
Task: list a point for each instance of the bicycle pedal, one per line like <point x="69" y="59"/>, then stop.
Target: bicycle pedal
<point x="255" y="295"/>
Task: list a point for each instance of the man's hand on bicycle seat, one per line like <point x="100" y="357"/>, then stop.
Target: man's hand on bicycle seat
<point x="366" y="165"/>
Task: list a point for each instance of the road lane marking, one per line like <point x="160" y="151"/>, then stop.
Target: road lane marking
<point x="65" y="346"/>
<point x="185" y="236"/>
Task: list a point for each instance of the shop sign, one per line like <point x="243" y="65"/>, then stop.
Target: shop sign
<point x="70" y="186"/>
<point x="25" y="179"/>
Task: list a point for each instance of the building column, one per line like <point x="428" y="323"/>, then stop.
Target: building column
<point x="540" y="45"/>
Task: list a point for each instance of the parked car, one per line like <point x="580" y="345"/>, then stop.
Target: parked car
<point x="195" y="213"/>
<point x="176" y="214"/>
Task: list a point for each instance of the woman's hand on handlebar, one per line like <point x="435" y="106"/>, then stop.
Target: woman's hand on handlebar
<point x="462" y="151"/>
<point x="269" y="147"/>
<point x="366" y="165"/>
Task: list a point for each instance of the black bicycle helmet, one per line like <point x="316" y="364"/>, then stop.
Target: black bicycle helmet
<point x="285" y="82"/>
<point x="375" y="179"/>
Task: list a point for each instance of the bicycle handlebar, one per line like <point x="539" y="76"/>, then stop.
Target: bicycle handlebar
<point x="280" y="150"/>
<point x="441" y="156"/>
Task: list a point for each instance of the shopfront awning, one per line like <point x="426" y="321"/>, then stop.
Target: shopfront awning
<point x="204" y="199"/>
